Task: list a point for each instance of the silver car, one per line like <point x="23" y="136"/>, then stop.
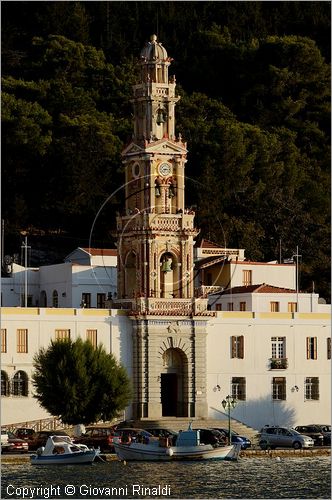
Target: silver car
<point x="282" y="437"/>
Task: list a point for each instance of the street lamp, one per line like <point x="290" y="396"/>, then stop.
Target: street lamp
<point x="229" y="403"/>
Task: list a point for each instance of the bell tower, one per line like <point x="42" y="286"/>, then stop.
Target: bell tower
<point x="155" y="240"/>
<point x="156" y="232"/>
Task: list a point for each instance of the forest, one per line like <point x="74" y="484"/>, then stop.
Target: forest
<point x="254" y="81"/>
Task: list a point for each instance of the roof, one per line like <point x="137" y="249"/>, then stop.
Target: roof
<point x="261" y="288"/>
<point x="210" y="261"/>
<point x="108" y="252"/>
<point x="207" y="244"/>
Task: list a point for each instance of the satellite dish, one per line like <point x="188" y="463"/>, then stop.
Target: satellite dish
<point x="8" y="259"/>
<point x="321" y="301"/>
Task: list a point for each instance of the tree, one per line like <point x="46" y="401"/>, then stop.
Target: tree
<point x="80" y="383"/>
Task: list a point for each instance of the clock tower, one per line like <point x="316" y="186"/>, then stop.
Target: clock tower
<point x="155" y="239"/>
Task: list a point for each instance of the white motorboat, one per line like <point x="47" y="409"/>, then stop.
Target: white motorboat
<point x="62" y="450"/>
<point x="186" y="447"/>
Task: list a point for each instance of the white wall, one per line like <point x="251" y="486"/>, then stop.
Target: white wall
<point x="259" y="409"/>
<point x="282" y="275"/>
<point x="261" y="302"/>
<point x="112" y="332"/>
<point x="13" y="287"/>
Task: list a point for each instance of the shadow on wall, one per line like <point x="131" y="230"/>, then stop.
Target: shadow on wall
<point x="259" y="412"/>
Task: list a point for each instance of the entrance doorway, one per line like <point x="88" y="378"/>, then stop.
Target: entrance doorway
<point x="174" y="384"/>
<point x="169" y="390"/>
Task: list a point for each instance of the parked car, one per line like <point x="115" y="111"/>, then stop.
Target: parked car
<point x="39" y="439"/>
<point x="24" y="433"/>
<point x="282" y="437"/>
<point x="98" y="437"/>
<point x="326" y="431"/>
<point x="126" y="434"/>
<point x="312" y="431"/>
<point x="4" y="439"/>
<point x="15" y="445"/>
<point x="236" y="438"/>
<point x="212" y="436"/>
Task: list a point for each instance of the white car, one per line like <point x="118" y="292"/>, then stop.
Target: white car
<point x="282" y="437"/>
<point x="4" y="439"/>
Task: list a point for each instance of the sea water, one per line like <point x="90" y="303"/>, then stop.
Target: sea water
<point x="248" y="478"/>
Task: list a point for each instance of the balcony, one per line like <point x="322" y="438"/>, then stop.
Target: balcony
<point x="278" y="363"/>
<point x="165" y="307"/>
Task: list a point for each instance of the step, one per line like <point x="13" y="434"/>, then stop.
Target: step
<point x="181" y="423"/>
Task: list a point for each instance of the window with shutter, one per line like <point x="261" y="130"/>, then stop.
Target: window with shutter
<point x="237" y="346"/>
<point x="279" y="388"/>
<point x="311" y="347"/>
<point x="311" y="388"/>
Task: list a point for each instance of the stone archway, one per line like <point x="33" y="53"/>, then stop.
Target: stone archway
<point x="174" y="383"/>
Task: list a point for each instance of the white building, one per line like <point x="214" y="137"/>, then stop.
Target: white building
<point x="87" y="278"/>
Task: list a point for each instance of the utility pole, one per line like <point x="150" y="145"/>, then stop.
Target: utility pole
<point x="25" y="247"/>
<point x="297" y="276"/>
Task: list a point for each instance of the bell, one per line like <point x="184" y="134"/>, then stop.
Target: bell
<point x="167" y="266"/>
<point x="160" y="117"/>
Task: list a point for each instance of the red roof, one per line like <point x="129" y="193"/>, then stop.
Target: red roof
<point x="108" y="252"/>
<point x="207" y="244"/>
<point x="262" y="288"/>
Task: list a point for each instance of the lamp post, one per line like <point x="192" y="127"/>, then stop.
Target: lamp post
<point x="229" y="403"/>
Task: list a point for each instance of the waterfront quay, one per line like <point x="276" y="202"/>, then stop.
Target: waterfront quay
<point x="249" y="453"/>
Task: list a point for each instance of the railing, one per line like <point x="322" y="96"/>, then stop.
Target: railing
<point x="278" y="363"/>
<point x="138" y="221"/>
<point x="48" y="424"/>
<point x="166" y="307"/>
<point x="204" y="290"/>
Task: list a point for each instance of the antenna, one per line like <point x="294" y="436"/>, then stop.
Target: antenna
<point x="297" y="276"/>
<point x="25" y="247"/>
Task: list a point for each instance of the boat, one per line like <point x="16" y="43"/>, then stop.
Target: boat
<point x="62" y="450"/>
<point x="187" y="447"/>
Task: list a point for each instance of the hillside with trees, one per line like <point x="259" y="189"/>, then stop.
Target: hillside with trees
<point x="254" y="80"/>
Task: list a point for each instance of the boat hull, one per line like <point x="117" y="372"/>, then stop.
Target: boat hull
<point x="150" y="452"/>
<point x="85" y="457"/>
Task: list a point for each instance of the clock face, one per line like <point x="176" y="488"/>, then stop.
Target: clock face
<point x="165" y="169"/>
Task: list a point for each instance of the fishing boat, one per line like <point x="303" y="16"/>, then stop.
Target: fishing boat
<point x="62" y="450"/>
<point x="187" y="447"/>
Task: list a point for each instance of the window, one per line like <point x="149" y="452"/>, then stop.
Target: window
<point x="91" y="335"/>
<point x="243" y="306"/>
<point x="292" y="307"/>
<point x="274" y="307"/>
<point x="55" y="299"/>
<point x="237" y="346"/>
<point x="239" y="388"/>
<point x="3" y="340"/>
<point x="62" y="334"/>
<point x="86" y="300"/>
<point x="209" y="279"/>
<point x="311" y="347"/>
<point x="246" y="278"/>
<point x="278" y="345"/>
<point x="230" y="306"/>
<point x="4" y="384"/>
<point x="20" y="384"/>
<point x="279" y="388"/>
<point x="29" y="300"/>
<point x="218" y="307"/>
<point x="22" y="340"/>
<point x="311" y="388"/>
<point x="101" y="298"/>
<point x="328" y="347"/>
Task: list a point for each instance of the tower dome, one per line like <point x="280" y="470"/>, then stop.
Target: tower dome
<point x="154" y="51"/>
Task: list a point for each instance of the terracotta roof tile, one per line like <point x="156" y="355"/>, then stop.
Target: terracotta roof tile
<point x="108" y="252"/>
<point x="261" y="288"/>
